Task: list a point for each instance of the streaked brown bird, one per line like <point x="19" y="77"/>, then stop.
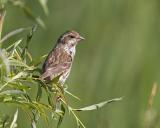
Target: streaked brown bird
<point x="59" y="61"/>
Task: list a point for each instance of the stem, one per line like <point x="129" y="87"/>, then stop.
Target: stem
<point x="2" y="15"/>
<point x="79" y="122"/>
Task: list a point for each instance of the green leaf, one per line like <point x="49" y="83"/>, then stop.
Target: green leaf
<point x="72" y="95"/>
<point x="79" y="122"/>
<point x="99" y="105"/>
<point x="12" y="45"/>
<point x="13" y="33"/>
<point x="2" y="16"/>
<point x="4" y="121"/>
<point x="11" y="92"/>
<point x="25" y="52"/>
<point x="20" y="74"/>
<point x="14" y="62"/>
<point x="14" y="124"/>
<point x="14" y="48"/>
<point x="33" y="124"/>
<point x="40" y="22"/>
<point x="29" y="56"/>
<point x="5" y="61"/>
<point x="28" y="12"/>
<point x="17" y="43"/>
<point x="39" y="93"/>
<point x="30" y="35"/>
<point x="44" y="5"/>
<point x="31" y="16"/>
<point x="20" y="85"/>
<point x="61" y="116"/>
<point x="2" y="3"/>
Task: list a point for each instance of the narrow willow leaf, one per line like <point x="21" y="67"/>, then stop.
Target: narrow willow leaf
<point x="44" y="106"/>
<point x="32" y="106"/>
<point x="33" y="124"/>
<point x="79" y="122"/>
<point x="41" y="110"/>
<point x="13" y="33"/>
<point x="19" y="86"/>
<point x="11" y="92"/>
<point x="17" y="43"/>
<point x="13" y="79"/>
<point x="14" y="124"/>
<point x="29" y="56"/>
<point x="17" y="76"/>
<point x="17" y="55"/>
<point x="14" y="47"/>
<point x="29" y="37"/>
<point x="44" y="5"/>
<point x="21" y="102"/>
<point x="99" y="105"/>
<point x="5" y="61"/>
<point x="40" y="22"/>
<point x="58" y="106"/>
<point x="72" y="95"/>
<point x="61" y="116"/>
<point x="14" y="62"/>
<point x="2" y="16"/>
<point x="50" y="101"/>
<point x="39" y="93"/>
<point x="5" y="121"/>
<point x="31" y="16"/>
<point x="28" y="12"/>
<point x="36" y="116"/>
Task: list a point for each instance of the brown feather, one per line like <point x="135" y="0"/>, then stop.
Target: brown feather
<point x="56" y="63"/>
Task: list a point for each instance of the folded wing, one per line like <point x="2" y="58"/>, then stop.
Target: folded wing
<point x="57" y="62"/>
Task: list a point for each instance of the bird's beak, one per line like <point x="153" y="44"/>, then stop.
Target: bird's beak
<point x="80" y="38"/>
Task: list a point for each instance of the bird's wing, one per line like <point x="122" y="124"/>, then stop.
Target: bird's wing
<point x="53" y="72"/>
<point x="56" y="63"/>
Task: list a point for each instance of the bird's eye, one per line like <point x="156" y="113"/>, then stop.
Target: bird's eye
<point x="71" y="36"/>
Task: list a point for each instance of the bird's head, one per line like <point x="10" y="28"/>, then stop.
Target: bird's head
<point x="70" y="38"/>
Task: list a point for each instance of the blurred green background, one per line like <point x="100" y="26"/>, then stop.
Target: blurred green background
<point x="120" y="57"/>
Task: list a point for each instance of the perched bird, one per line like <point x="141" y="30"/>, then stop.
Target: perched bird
<point x="59" y="61"/>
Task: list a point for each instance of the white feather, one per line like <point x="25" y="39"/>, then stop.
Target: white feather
<point x="71" y="48"/>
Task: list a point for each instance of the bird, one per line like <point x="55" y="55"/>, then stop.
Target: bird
<point x="59" y="61"/>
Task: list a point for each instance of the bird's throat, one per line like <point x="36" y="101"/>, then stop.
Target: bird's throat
<point x="70" y="50"/>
